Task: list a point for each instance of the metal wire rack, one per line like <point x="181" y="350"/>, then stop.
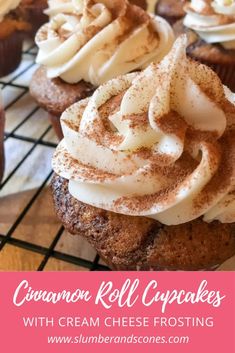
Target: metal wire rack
<point x="29" y="141"/>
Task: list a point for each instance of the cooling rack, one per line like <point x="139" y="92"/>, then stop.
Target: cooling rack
<point x="31" y="236"/>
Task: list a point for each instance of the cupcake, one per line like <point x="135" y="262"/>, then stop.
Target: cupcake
<point x="210" y="26"/>
<point x="11" y="28"/>
<point x="171" y="10"/>
<point x="85" y="47"/>
<point x="146" y="170"/>
<point x="33" y="11"/>
<point x="2" y="122"/>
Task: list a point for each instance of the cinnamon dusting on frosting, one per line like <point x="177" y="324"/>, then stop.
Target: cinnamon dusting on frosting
<point x="160" y="143"/>
<point x="173" y="123"/>
<point x="207" y="9"/>
<point x="100" y="40"/>
<point x="224" y="179"/>
<point x="178" y="172"/>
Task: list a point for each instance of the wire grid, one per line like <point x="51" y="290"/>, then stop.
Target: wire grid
<point x="18" y="83"/>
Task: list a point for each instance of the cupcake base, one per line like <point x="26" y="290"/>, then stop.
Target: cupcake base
<point x="170" y="10"/>
<point x="55" y="122"/>
<point x="55" y="95"/>
<point x="34" y="14"/>
<point x="137" y="243"/>
<point x="10" y="53"/>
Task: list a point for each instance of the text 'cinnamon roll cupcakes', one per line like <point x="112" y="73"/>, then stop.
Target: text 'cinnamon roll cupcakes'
<point x="96" y="41"/>
<point x="146" y="170"/>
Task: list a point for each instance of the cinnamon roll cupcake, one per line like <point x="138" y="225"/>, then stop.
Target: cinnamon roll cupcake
<point x="210" y="26"/>
<point x="146" y="170"/>
<point x="12" y="26"/>
<point x="83" y="48"/>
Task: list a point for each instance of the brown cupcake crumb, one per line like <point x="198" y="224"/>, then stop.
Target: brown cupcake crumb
<point x="139" y="243"/>
<point x="55" y="95"/>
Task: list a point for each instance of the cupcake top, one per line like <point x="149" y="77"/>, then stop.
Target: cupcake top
<point x="160" y="144"/>
<point x="7" y="6"/>
<point x="101" y="40"/>
<point x="214" y="21"/>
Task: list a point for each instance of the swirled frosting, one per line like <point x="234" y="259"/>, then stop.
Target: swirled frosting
<point x="160" y="144"/>
<point x="105" y="39"/>
<point x="214" y="21"/>
<point x="6" y="6"/>
<point x="56" y="7"/>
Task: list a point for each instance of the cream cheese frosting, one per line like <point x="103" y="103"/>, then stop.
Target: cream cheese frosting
<point x="56" y="7"/>
<point x="224" y="7"/>
<point x="6" y="6"/>
<point x="214" y="21"/>
<point x="101" y="41"/>
<point x="159" y="144"/>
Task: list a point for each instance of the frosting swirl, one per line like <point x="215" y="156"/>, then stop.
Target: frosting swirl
<point x="105" y="39"/>
<point x="6" y="6"/>
<point x="56" y="7"/>
<point x="169" y="155"/>
<point x="214" y="21"/>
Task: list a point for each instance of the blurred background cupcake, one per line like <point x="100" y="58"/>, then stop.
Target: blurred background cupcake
<point x="141" y="3"/>
<point x="171" y="10"/>
<point x="12" y="26"/>
<point x="33" y="11"/>
<point x="89" y="44"/>
<point x="210" y="26"/>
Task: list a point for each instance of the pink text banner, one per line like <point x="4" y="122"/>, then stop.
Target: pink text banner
<point x="117" y="312"/>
